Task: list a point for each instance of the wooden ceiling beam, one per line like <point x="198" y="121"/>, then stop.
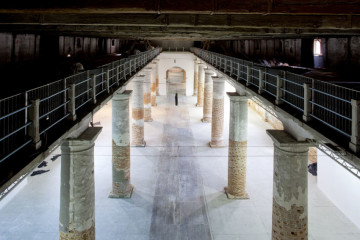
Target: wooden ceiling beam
<point x="189" y="20"/>
<point x="185" y="6"/>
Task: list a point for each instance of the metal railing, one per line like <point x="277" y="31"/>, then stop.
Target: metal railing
<point x="31" y="116"/>
<point x="176" y="49"/>
<point x="332" y="105"/>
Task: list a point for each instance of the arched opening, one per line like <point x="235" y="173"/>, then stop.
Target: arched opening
<point x="176" y="81"/>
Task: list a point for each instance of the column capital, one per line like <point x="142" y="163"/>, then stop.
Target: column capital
<point x="139" y="78"/>
<point x="209" y="72"/>
<point x="122" y="96"/>
<point x="283" y="139"/>
<point x="218" y="79"/>
<point x="86" y="139"/>
<point x="235" y="97"/>
<point x="146" y="70"/>
<point x="202" y="65"/>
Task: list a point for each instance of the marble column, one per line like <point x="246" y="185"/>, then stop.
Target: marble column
<point x="290" y="187"/>
<point x="121" y="187"/>
<point x="77" y="189"/>
<point x="200" y="93"/>
<point x="208" y="96"/>
<point x="137" y="128"/>
<point x="153" y="83"/>
<point x="147" y="94"/>
<point x="157" y="76"/>
<point x="217" y="121"/>
<point x="237" y="147"/>
<point x="196" y="75"/>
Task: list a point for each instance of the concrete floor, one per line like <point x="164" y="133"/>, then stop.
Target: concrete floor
<point x="178" y="167"/>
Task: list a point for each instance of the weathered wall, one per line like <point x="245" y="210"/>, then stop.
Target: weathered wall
<point x="86" y="46"/>
<point x="340" y="54"/>
<point x="18" y="47"/>
<point x="287" y="50"/>
<point x="170" y="60"/>
<point x="165" y="44"/>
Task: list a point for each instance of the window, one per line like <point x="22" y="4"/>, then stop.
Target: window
<point x="317" y="47"/>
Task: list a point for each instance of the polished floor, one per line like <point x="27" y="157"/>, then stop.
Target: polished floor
<point x="178" y="184"/>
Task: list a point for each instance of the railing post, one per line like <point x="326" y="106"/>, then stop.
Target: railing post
<point x="279" y="93"/>
<point x="65" y="96"/>
<point x="93" y="88"/>
<point x="239" y="72"/>
<point x="231" y="67"/>
<point x="117" y="75"/>
<point x="130" y="71"/>
<point x="107" y="80"/>
<point x="248" y="77"/>
<point x="34" y="128"/>
<point x="307" y="104"/>
<point x="354" y="145"/>
<point x="87" y="84"/>
<point x="71" y="106"/>
<point x="26" y="96"/>
<point x="124" y="71"/>
<point x="261" y="81"/>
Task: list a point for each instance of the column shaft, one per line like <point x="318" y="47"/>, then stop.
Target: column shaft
<point x="237" y="147"/>
<point x="138" y="112"/>
<point x="157" y="76"/>
<point x="208" y="96"/>
<point x="147" y="95"/>
<point x="121" y="187"/>
<point x="200" y="93"/>
<point x="217" y="121"/>
<point x="153" y="83"/>
<point x="290" y="188"/>
<point x="196" y="76"/>
<point x="77" y="191"/>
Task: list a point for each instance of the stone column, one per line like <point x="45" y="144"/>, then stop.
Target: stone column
<point x="217" y="121"/>
<point x="208" y="96"/>
<point x="290" y="187"/>
<point x="121" y="187"/>
<point x="196" y="75"/>
<point x="153" y="83"/>
<point x="200" y="93"/>
<point x="147" y="96"/>
<point x="237" y="147"/>
<point x="157" y="76"/>
<point x="77" y="190"/>
<point x="138" y="112"/>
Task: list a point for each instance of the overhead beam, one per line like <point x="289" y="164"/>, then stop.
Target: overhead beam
<point x="167" y="32"/>
<point x="186" y="6"/>
<point x="189" y="20"/>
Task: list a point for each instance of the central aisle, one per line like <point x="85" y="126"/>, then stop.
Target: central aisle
<point x="179" y="210"/>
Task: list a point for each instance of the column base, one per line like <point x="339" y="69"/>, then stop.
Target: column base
<point x="217" y="145"/>
<point x="230" y="196"/>
<point x="354" y="147"/>
<point x="148" y="120"/>
<point x="198" y="105"/>
<point x="123" y="195"/>
<point x="306" y="118"/>
<point x="139" y="145"/>
<point x="206" y="120"/>
<point x="36" y="145"/>
<point x="278" y="102"/>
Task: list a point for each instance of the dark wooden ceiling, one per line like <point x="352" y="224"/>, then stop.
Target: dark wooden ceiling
<point x="195" y="19"/>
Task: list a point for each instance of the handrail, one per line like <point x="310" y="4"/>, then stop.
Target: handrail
<point x="60" y="100"/>
<point x="331" y="105"/>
